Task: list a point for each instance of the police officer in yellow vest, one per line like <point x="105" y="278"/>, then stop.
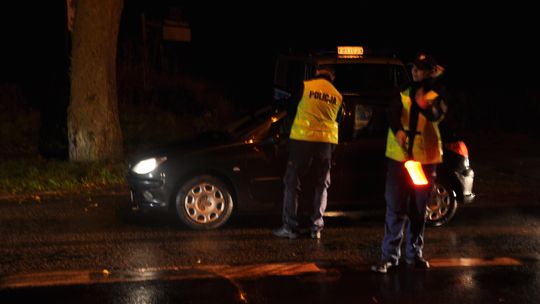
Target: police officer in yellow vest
<point x="313" y="136"/>
<point x="413" y="134"/>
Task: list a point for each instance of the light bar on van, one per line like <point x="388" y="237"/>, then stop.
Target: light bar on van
<point x="350" y="51"/>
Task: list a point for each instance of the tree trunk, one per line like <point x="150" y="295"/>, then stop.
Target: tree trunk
<point x="93" y="125"/>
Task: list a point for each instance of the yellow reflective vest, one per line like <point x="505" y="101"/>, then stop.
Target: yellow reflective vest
<point x="427" y="146"/>
<point x="317" y="111"/>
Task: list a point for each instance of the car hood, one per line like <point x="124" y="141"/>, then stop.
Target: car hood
<point x="235" y="136"/>
<point x="203" y="142"/>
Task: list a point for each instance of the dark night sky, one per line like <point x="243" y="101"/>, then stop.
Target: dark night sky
<point x="490" y="53"/>
<point x="485" y="47"/>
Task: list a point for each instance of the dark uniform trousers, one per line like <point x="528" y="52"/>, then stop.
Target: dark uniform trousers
<point x="303" y="156"/>
<point x="405" y="209"/>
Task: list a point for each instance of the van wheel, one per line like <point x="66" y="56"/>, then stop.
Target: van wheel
<point x="442" y="205"/>
<point x="203" y="203"/>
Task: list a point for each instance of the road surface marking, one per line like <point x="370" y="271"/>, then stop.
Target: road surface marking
<point x="474" y="262"/>
<point x="82" y="277"/>
<point x="232" y="273"/>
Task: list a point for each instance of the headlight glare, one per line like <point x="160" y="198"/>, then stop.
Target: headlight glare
<point x="148" y="165"/>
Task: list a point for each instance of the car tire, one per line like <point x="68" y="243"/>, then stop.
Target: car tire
<point x="204" y="203"/>
<point x="442" y="205"/>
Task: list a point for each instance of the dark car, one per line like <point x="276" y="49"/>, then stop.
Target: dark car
<point x="206" y="179"/>
<point x="239" y="170"/>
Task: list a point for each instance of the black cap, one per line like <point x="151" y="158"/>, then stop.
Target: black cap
<point x="425" y="62"/>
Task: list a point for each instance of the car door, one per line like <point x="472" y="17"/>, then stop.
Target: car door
<point x="265" y="167"/>
<point x="359" y="161"/>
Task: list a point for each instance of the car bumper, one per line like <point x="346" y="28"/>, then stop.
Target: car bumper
<point x="466" y="178"/>
<point x="467" y="199"/>
<point x="148" y="193"/>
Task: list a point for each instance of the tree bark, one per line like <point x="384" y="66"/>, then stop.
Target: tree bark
<point x="93" y="125"/>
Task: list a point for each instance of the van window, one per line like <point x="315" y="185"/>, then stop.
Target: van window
<point x="354" y="78"/>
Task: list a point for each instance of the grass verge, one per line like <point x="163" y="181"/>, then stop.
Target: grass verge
<point x="23" y="176"/>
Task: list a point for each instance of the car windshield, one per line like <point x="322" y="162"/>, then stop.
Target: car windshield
<point x="355" y="78"/>
<point x="256" y="125"/>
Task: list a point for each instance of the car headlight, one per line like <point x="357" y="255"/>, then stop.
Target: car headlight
<point x="148" y="165"/>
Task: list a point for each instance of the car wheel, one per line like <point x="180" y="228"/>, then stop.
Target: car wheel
<point x="204" y="202"/>
<point x="442" y="205"/>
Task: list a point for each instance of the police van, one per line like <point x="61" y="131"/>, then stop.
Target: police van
<point x="368" y="83"/>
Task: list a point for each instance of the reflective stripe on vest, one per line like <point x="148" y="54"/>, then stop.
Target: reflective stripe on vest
<point x="427" y="147"/>
<point x="317" y="111"/>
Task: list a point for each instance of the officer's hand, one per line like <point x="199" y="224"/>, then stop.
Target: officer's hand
<point x="401" y="138"/>
<point x="425" y="99"/>
<point x="420" y="99"/>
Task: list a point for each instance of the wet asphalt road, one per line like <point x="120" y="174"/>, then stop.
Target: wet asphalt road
<point x="90" y="253"/>
<point x="336" y="285"/>
<point x="82" y="249"/>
